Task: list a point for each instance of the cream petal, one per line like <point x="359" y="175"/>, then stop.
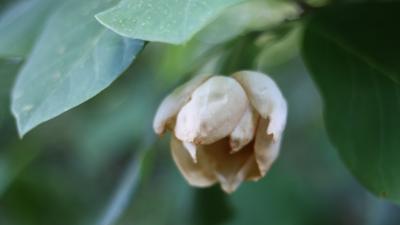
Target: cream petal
<point x="253" y="173"/>
<point x="213" y="112"/>
<point x="171" y="105"/>
<point x="244" y="131"/>
<point x="194" y="173"/>
<point x="266" y="150"/>
<point x="266" y="98"/>
<point x="191" y="148"/>
<point x="230" y="169"/>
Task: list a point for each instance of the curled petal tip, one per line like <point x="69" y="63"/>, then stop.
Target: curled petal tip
<point x="266" y="149"/>
<point x="244" y="131"/>
<point x="229" y="186"/>
<point x="274" y="136"/>
<point x="195" y="173"/>
<point x="191" y="148"/>
<point x="228" y="189"/>
<point x="171" y="105"/>
<point x="237" y="145"/>
<point x="159" y="130"/>
<point x="265" y="96"/>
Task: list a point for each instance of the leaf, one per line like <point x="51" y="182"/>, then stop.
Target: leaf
<point x="206" y="49"/>
<point x="75" y="58"/>
<point x="354" y="61"/>
<point x="170" y="21"/>
<point x="21" y="23"/>
<point x="255" y="15"/>
<point x="279" y="49"/>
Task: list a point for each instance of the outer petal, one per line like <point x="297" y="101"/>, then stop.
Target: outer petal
<point x="265" y="149"/>
<point x="171" y="105"/>
<point x="266" y="98"/>
<point x="253" y="171"/>
<point x="193" y="172"/>
<point x="213" y="111"/>
<point x="230" y="169"/>
<point x="244" y="131"/>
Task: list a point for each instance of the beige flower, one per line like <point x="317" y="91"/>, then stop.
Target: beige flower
<point x="225" y="129"/>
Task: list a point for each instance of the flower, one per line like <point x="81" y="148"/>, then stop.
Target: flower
<point x="225" y="129"/>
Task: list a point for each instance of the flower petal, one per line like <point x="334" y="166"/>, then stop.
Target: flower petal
<point x="229" y="169"/>
<point x="266" y="98"/>
<point x="192" y="150"/>
<point x="213" y="111"/>
<point x="266" y="150"/>
<point x="244" y="131"/>
<point x="194" y="173"/>
<point x="252" y="169"/>
<point x="171" y="105"/>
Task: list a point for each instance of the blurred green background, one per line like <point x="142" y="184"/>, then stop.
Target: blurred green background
<point x="66" y="171"/>
<point x="69" y="170"/>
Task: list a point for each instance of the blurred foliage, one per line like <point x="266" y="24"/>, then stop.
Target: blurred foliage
<point x="358" y="54"/>
<point x="70" y="170"/>
<point x="22" y="22"/>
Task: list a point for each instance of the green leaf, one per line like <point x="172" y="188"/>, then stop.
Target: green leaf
<point x="255" y="15"/>
<point x="170" y="21"/>
<point x="279" y="49"/>
<point x="21" y="23"/>
<point x="353" y="53"/>
<point x="74" y="59"/>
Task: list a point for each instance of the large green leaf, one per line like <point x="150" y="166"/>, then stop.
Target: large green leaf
<point x="171" y="21"/>
<point x="74" y="59"/>
<point x="353" y="53"/>
<point x="21" y="23"/>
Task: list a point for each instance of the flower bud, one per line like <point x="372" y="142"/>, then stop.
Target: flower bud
<point x="225" y="129"/>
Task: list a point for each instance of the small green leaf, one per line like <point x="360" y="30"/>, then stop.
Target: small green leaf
<point x="353" y="53"/>
<point x="21" y="23"/>
<point x="255" y="15"/>
<point x="74" y="59"/>
<point x="170" y="21"/>
<point x="279" y="49"/>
